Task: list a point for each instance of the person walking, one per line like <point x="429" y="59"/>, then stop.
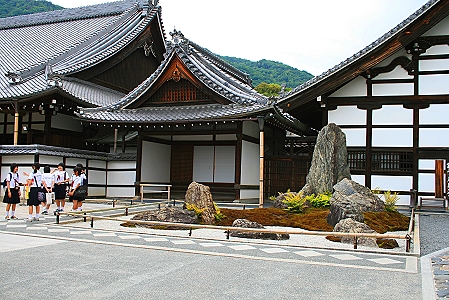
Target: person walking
<point x="61" y="183"/>
<point x="83" y="182"/>
<point x="35" y="183"/>
<point x="12" y="193"/>
<point x="48" y="183"/>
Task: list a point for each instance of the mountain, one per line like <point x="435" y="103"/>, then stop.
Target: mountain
<point x="10" y="8"/>
<point x="269" y="71"/>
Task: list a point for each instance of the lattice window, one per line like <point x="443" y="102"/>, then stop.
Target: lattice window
<point x="181" y="91"/>
<point x="382" y="160"/>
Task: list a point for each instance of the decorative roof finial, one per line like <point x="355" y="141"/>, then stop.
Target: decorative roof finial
<point x="177" y="36"/>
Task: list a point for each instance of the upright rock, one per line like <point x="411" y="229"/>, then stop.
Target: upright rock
<point x="350" y="200"/>
<point x="351" y="226"/>
<point x="329" y="161"/>
<point x="200" y="196"/>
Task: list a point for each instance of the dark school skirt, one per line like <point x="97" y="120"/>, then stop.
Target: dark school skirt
<point x="33" y="199"/>
<point x="14" y="197"/>
<point x="60" y="191"/>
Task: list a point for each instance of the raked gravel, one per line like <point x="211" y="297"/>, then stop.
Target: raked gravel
<point x="301" y="240"/>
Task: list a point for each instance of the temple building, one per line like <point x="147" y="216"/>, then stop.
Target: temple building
<point x="105" y="85"/>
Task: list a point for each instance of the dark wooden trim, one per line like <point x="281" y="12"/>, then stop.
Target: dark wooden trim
<point x="250" y="139"/>
<point x="389" y="100"/>
<point x="139" y="163"/>
<point x="390" y="81"/>
<point x="433" y="56"/>
<point x="415" y="148"/>
<point x="238" y="159"/>
<point x="369" y="146"/>
<point x="434" y="72"/>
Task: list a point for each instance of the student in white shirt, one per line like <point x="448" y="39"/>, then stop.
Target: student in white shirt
<point x="48" y="183"/>
<point x="74" y="185"/>
<point x="61" y="183"/>
<point x="12" y="193"/>
<point x="35" y="183"/>
<point x="83" y="181"/>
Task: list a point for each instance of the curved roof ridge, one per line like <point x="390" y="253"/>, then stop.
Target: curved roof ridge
<point x="68" y="14"/>
<point x="245" y="77"/>
<point x="374" y="45"/>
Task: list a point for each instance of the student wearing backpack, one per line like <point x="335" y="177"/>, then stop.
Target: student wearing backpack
<point x="74" y="185"/>
<point x="83" y="182"/>
<point x="12" y="193"/>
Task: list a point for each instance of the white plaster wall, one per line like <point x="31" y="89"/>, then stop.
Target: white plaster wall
<point x="426" y="182"/>
<point x="250" y="164"/>
<point x="251" y="128"/>
<point x="97" y="164"/>
<point x="66" y="122"/>
<point x="36" y="117"/>
<point x="226" y="137"/>
<point x="224" y="164"/>
<point x="114" y="165"/>
<point x="392" y="115"/>
<point x="396" y="73"/>
<point x="19" y="159"/>
<point x="393" y="89"/>
<point x="434" y="137"/>
<point x="39" y="127"/>
<point x="97" y="177"/>
<point x="434" y="114"/>
<point x="120" y="192"/>
<point x="71" y="162"/>
<point x="203" y="163"/>
<point x="249" y="194"/>
<point x="437" y="84"/>
<point x="354" y="88"/>
<point x="97" y="191"/>
<point x="392" y="137"/>
<point x="49" y="160"/>
<point x="442" y="28"/>
<point x="434" y="64"/>
<point x="192" y="137"/>
<point x="355" y="137"/>
<point x="426" y="164"/>
<point x="156" y="160"/>
<point x="359" y="179"/>
<point x="437" y="49"/>
<point x="121" y="178"/>
<point x="347" y="115"/>
<point x="398" y="183"/>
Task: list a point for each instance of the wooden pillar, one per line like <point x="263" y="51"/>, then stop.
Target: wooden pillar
<point x="261" y="159"/>
<point x="369" y="146"/>
<point x="139" y="163"/>
<point x="16" y="123"/>
<point x="115" y="139"/>
<point x="238" y="161"/>
<point x="439" y="178"/>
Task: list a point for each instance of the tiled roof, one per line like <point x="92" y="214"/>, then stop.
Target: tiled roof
<point x="36" y="50"/>
<point x="363" y="53"/>
<point x="219" y="76"/>
<point x="62" y="152"/>
<point x="172" y="113"/>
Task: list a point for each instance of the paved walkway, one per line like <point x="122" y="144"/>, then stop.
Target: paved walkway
<point x="329" y="273"/>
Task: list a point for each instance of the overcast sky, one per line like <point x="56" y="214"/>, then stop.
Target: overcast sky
<point x="311" y="35"/>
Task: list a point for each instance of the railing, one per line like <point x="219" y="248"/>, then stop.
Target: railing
<point x="407" y="237"/>
<point x="157" y="191"/>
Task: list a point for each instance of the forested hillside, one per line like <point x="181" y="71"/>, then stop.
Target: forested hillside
<point x="269" y="71"/>
<point x="10" y="8"/>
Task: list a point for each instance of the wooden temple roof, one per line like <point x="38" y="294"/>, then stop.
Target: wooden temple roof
<point x="400" y="36"/>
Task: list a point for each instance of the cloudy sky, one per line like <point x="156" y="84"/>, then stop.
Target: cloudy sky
<point x="308" y="35"/>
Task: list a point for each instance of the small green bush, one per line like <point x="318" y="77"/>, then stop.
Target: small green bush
<point x="390" y="199"/>
<point x="320" y="200"/>
<point x="294" y="201"/>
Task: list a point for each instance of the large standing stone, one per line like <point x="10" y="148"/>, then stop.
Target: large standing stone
<point x="244" y="223"/>
<point x="350" y="200"/>
<point x="351" y="226"/>
<point x="200" y="196"/>
<point x="329" y="161"/>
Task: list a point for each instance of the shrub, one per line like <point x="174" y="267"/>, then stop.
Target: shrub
<point x="320" y="200"/>
<point x="294" y="201"/>
<point x="390" y="198"/>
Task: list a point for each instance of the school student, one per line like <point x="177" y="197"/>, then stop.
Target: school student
<point x="74" y="185"/>
<point x="48" y="183"/>
<point x="61" y="182"/>
<point x="12" y="193"/>
<point x="83" y="182"/>
<point x="35" y="183"/>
